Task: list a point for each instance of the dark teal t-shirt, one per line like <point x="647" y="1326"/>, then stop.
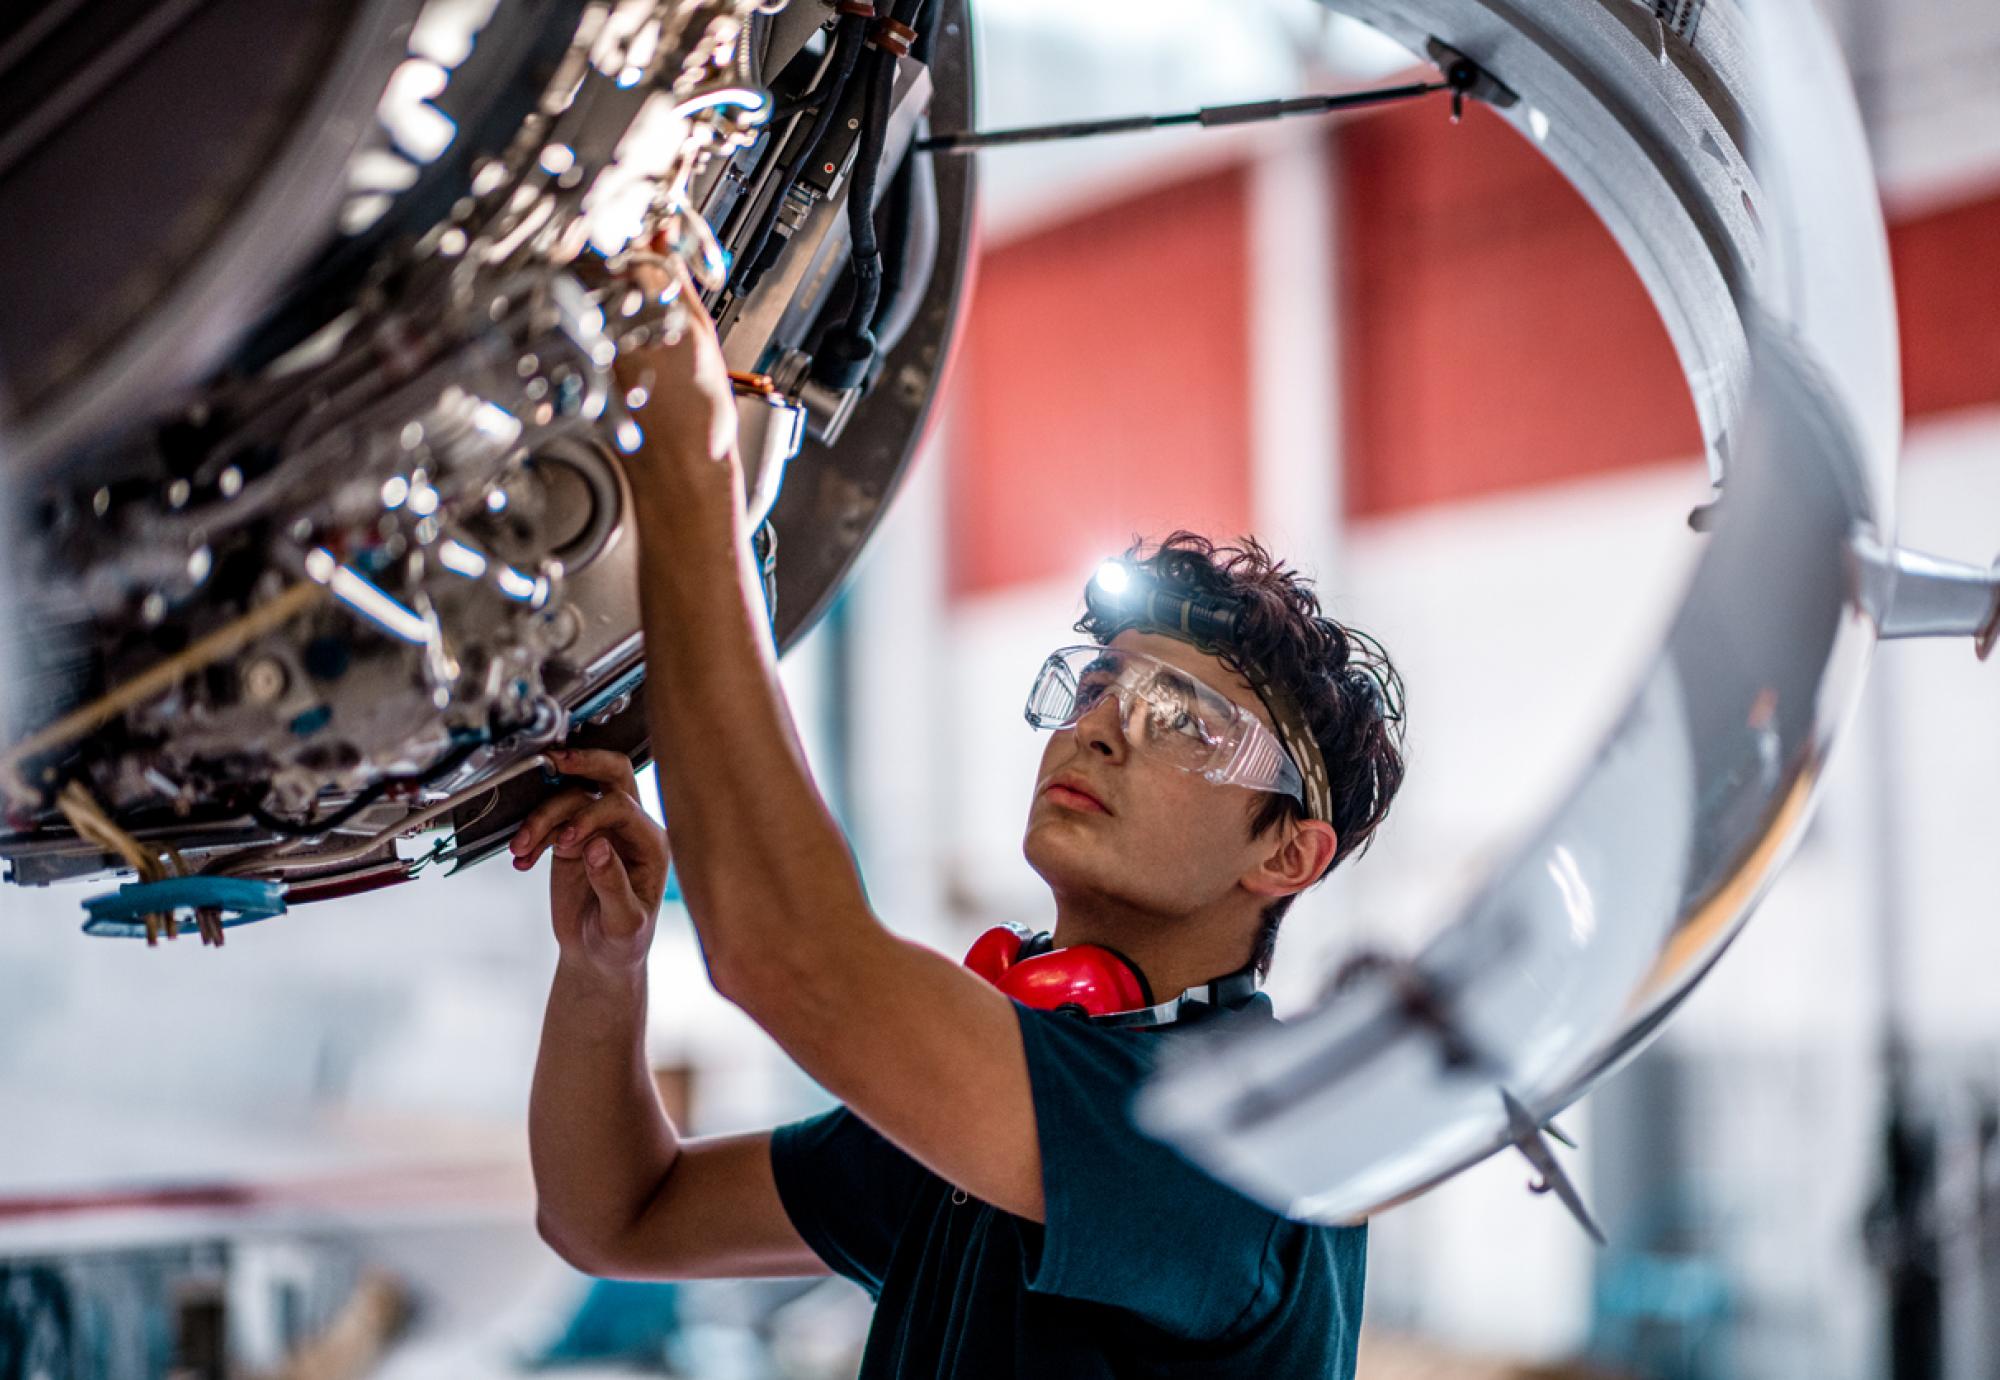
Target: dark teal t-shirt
<point x="1145" y="1266"/>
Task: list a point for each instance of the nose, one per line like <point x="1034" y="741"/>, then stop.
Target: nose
<point x="1101" y="729"/>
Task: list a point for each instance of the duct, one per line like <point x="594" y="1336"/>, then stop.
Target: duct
<point x="1722" y="147"/>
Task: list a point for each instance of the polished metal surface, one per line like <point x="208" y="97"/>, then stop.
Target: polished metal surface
<point x="321" y="513"/>
<point x="1723" y="148"/>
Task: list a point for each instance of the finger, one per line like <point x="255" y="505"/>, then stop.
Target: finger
<point x="623" y="915"/>
<point x="544" y="819"/>
<point x="610" y="768"/>
<point x="613" y="815"/>
<point x="653" y="279"/>
<point x="691" y="301"/>
<point x="650" y="371"/>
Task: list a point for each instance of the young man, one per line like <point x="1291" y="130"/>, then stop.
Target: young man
<point x="1214" y="751"/>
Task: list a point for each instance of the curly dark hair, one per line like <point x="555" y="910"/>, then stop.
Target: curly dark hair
<point x="1343" y="682"/>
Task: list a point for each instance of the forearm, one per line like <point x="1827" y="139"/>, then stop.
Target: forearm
<point x="598" y="1140"/>
<point x="765" y="871"/>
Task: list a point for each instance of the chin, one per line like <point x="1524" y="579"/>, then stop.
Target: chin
<point x="1068" y="858"/>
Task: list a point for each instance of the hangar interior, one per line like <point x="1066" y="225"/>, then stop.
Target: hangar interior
<point x="1410" y="356"/>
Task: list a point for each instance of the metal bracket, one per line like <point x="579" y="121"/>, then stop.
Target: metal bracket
<point x="1910" y="594"/>
<point x="1466" y="77"/>
<point x="1527" y="1135"/>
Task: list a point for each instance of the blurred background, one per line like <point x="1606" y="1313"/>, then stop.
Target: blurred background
<point x="1407" y="356"/>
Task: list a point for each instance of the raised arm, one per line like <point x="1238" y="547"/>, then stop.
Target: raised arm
<point x="619" y="1192"/>
<point x="926" y="1053"/>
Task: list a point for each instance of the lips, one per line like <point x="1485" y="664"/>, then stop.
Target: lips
<point x="1071" y="791"/>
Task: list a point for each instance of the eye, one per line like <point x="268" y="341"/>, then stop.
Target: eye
<point x="1173" y="701"/>
<point x="1095" y="683"/>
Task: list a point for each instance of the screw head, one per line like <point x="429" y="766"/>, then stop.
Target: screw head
<point x="263" y="681"/>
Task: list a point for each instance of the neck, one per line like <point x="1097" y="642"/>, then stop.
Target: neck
<point x="1175" y="952"/>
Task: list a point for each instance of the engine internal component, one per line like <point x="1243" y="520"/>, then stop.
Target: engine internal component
<point x="324" y="528"/>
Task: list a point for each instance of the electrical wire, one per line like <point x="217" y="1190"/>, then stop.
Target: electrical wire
<point x="849" y="37"/>
<point x="845" y="357"/>
<point x="312" y="828"/>
<point x="274" y="855"/>
<point x="224" y="641"/>
<point x="865" y="254"/>
<point x="97" y="828"/>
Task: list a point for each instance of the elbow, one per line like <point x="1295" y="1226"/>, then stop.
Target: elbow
<point x="808" y="965"/>
<point x="594" y="1256"/>
<point x="768" y="986"/>
<point x="575" y="1249"/>
<point x="741" y="977"/>
<point x="625" y="1246"/>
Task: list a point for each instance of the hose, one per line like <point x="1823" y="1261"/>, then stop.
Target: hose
<point x="849" y="37"/>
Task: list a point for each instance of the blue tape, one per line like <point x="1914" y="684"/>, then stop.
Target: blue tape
<point x="242" y="900"/>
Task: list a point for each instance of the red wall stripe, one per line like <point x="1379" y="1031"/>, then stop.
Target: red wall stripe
<point x="1104" y="387"/>
<point x="1948" y="295"/>
<point x="1494" y="336"/>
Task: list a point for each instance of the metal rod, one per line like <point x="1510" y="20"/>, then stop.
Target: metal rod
<point x="1249" y="112"/>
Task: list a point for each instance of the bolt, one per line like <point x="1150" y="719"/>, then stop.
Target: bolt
<point x="264" y="681"/>
<point x="564" y="626"/>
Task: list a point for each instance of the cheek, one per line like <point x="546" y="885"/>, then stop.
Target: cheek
<point x="1055" y="751"/>
<point x="1198" y="821"/>
<point x="1176" y="811"/>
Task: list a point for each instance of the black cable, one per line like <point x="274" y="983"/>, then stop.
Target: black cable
<point x="865" y="250"/>
<point x="1249" y="112"/>
<point x="292" y="829"/>
<point x="295" y="829"/>
<point x="849" y="37"/>
<point x="845" y="355"/>
<point x="812" y="97"/>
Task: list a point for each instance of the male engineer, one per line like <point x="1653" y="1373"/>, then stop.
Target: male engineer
<point x="1215" y="747"/>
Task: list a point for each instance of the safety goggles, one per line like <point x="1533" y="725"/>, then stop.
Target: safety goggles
<point x="1166" y="712"/>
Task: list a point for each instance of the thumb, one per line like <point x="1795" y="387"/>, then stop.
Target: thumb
<point x="613" y="888"/>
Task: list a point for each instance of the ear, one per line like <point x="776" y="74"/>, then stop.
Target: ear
<point x="1301" y="857"/>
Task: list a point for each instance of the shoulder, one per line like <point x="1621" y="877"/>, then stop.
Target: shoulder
<point x="1107" y="1063"/>
<point x="1143" y="1045"/>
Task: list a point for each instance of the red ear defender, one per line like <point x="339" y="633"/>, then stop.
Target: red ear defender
<point x="1089" y="977"/>
<point x="994" y="952"/>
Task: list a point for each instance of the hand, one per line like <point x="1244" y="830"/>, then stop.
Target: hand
<point x="687" y="420"/>
<point x="610" y="862"/>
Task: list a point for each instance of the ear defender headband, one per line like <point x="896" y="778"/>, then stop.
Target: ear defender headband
<point x="1093" y="980"/>
<point x="1123" y="598"/>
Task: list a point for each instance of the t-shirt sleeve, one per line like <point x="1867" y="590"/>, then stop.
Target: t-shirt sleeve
<point x="846" y="1190"/>
<point x="1128" y="1222"/>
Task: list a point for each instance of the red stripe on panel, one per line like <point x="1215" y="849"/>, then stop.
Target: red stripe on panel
<point x="1104" y="387"/>
<point x="1948" y="293"/>
<point x="1493" y="335"/>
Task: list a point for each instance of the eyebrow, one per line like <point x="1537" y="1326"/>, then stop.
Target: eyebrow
<point x="1256" y="708"/>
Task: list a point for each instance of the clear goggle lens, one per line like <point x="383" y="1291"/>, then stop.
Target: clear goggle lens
<point x="1166" y="711"/>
